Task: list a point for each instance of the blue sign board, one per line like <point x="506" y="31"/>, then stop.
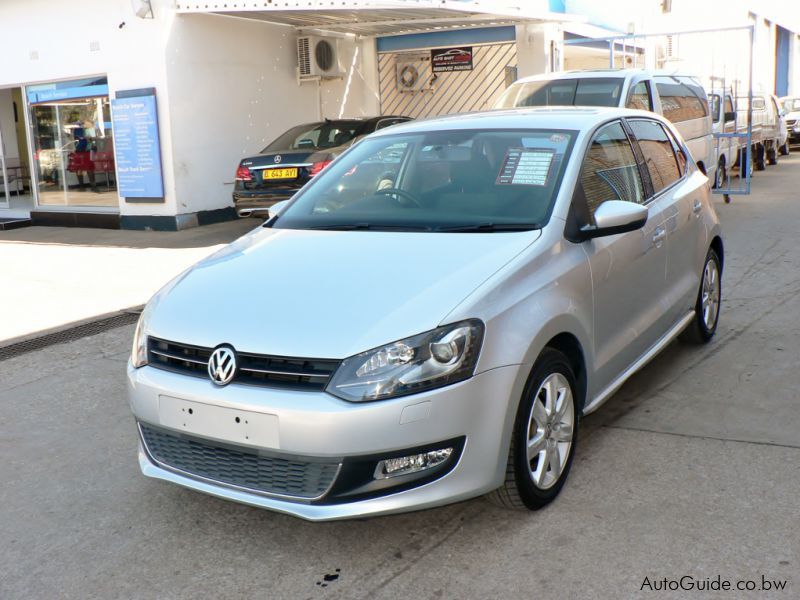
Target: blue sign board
<point x="137" y="147"/>
<point x="67" y="90"/>
<point x="53" y="95"/>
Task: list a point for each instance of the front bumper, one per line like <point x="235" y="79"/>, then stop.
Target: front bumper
<point x="479" y="411"/>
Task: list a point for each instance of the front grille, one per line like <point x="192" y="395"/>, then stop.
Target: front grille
<point x="237" y="466"/>
<point x="308" y="374"/>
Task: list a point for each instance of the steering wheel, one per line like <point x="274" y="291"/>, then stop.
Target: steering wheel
<point x="399" y="193"/>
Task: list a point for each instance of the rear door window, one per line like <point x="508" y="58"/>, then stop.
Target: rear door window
<point x="682" y="99"/>
<point x="659" y="156"/>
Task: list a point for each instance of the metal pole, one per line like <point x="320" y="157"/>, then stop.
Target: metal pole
<point x="750" y="107"/>
<point x="6" y="192"/>
<point x="611" y="52"/>
<point x="60" y="155"/>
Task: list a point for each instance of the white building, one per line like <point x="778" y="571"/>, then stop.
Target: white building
<point x="223" y="81"/>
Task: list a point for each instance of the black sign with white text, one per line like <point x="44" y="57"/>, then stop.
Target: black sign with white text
<point x="446" y="60"/>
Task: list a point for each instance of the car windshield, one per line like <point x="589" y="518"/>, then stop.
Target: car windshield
<point x="458" y="180"/>
<point x="328" y="134"/>
<point x="791" y="104"/>
<point x="594" y="91"/>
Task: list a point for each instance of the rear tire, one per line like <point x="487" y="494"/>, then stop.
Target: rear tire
<point x="759" y="158"/>
<point x="543" y="438"/>
<point x="784" y="150"/>
<point x="709" y="300"/>
<point x="772" y="154"/>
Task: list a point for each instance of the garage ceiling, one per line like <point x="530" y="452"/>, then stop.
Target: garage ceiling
<point x="388" y="17"/>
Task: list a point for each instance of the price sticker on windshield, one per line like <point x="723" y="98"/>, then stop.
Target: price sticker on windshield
<point x="526" y="166"/>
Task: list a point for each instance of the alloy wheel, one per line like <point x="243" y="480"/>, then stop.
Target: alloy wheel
<point x="550" y="431"/>
<point x="709" y="301"/>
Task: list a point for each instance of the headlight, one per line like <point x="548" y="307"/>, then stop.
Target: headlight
<point x="429" y="360"/>
<point x="139" y="350"/>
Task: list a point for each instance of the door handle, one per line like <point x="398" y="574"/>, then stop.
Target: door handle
<point x="697" y="207"/>
<point x="659" y="235"/>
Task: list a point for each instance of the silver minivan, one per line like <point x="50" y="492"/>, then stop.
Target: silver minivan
<point x="677" y="96"/>
<point x="430" y="317"/>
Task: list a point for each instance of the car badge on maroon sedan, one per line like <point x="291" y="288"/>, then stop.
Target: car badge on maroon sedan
<point x="222" y="365"/>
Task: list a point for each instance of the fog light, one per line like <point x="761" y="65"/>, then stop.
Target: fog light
<point x="393" y="467"/>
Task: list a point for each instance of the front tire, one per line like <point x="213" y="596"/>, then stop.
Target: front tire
<point x="721" y="177"/>
<point x="544" y="436"/>
<point x="709" y="298"/>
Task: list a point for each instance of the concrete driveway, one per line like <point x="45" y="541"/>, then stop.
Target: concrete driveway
<point x="52" y="276"/>
<point x="692" y="469"/>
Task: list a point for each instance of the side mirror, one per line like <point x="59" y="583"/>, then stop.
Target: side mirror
<point x="730" y="116"/>
<point x="613" y="217"/>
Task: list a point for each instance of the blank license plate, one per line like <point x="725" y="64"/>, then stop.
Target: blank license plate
<point x="228" y="424"/>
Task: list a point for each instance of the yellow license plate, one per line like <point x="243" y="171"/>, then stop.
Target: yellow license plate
<point x="280" y="173"/>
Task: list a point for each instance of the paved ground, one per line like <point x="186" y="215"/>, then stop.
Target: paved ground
<point x="50" y="276"/>
<point x="693" y="468"/>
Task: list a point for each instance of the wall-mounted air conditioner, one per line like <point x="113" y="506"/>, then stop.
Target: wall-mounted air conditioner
<point x="318" y="57"/>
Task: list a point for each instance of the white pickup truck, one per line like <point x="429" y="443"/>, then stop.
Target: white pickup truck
<point x="769" y="133"/>
<point x="723" y="120"/>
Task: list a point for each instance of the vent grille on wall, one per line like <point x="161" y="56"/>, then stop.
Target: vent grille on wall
<point x="304" y="56"/>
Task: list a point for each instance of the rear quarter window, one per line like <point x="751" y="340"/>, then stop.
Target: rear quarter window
<point x="681" y="99"/>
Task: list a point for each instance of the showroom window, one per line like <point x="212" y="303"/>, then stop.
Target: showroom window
<point x="73" y="143"/>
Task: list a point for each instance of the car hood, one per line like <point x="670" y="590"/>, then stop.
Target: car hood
<point x="327" y="294"/>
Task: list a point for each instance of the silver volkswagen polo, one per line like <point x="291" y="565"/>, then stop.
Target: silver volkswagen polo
<point x="428" y="320"/>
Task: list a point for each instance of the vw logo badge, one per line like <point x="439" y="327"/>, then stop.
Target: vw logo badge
<point x="222" y="365"/>
<point x="278" y="158"/>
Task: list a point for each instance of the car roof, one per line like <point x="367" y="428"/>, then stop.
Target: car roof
<point x="541" y="117"/>
<point x="602" y="73"/>
<point x="353" y="119"/>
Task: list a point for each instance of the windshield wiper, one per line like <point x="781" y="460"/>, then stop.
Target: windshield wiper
<point x="370" y="227"/>
<point x="491" y="227"/>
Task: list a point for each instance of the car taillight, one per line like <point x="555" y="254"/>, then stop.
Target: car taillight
<point x="243" y="174"/>
<point x="317" y="167"/>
